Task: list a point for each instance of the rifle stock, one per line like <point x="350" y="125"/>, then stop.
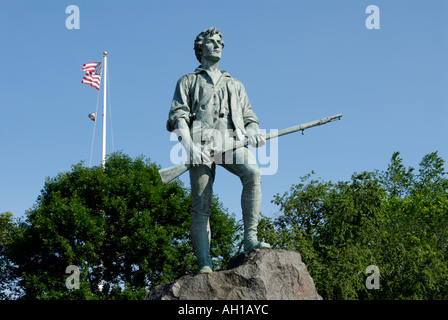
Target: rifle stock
<point x="169" y="174"/>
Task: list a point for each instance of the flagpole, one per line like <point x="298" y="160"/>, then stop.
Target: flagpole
<point x="103" y="154"/>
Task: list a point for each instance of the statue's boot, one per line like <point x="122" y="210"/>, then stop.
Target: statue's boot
<point x="200" y="236"/>
<point x="251" y="204"/>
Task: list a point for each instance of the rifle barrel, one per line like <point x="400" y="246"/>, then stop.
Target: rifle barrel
<point x="169" y="174"/>
<point x="302" y="127"/>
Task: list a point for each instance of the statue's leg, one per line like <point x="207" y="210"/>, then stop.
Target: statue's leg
<point x="201" y="179"/>
<point x="246" y="168"/>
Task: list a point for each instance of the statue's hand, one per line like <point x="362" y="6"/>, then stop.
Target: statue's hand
<point x="257" y="140"/>
<point x="197" y="156"/>
<point x="255" y="137"/>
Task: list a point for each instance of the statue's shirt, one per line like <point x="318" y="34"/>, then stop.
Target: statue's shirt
<point x="221" y="105"/>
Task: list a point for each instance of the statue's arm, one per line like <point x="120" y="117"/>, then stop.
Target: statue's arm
<point x="180" y="106"/>
<point x="255" y="138"/>
<point x="179" y="121"/>
<point x="195" y="154"/>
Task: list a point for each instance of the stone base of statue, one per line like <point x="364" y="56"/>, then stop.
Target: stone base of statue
<point x="261" y="274"/>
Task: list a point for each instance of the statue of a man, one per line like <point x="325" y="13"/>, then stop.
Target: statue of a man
<point x="210" y="100"/>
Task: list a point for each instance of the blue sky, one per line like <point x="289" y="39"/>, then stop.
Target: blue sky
<point x="299" y="61"/>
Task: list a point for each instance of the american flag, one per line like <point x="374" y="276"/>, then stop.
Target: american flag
<point x="93" y="74"/>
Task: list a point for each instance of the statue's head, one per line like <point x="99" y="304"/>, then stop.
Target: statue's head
<point x="199" y="41"/>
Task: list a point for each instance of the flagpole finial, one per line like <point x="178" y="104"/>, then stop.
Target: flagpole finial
<point x="105" y="53"/>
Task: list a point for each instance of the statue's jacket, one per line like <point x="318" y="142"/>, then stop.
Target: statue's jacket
<point x="197" y="98"/>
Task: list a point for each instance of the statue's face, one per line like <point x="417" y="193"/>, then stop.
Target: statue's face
<point x="212" y="47"/>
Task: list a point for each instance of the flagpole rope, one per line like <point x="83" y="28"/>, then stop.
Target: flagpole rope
<point x="110" y="111"/>
<point x="94" y="126"/>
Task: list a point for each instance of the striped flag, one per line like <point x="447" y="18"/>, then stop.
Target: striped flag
<point x="93" y="74"/>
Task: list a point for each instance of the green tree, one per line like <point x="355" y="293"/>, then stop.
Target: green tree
<point x="118" y="225"/>
<point x="415" y="239"/>
<point x="396" y="219"/>
<point x="7" y="227"/>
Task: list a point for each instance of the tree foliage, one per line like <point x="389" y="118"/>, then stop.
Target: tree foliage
<point x="395" y="219"/>
<point x="118" y="225"/>
<point x="7" y="227"/>
<point x="126" y="231"/>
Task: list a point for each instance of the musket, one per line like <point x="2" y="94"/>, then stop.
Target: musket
<point x="169" y="174"/>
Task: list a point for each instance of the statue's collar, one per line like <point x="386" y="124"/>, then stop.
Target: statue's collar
<point x="200" y="69"/>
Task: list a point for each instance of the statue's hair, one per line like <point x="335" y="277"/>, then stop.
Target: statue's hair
<point x="200" y="38"/>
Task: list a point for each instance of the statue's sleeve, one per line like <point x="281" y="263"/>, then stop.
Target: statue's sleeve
<point x="180" y="106"/>
<point x="249" y="115"/>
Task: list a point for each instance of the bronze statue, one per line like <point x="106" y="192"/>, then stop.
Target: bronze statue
<point x="216" y="103"/>
<point x="214" y="121"/>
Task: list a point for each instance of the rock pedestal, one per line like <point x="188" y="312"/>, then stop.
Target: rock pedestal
<point x="262" y="274"/>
